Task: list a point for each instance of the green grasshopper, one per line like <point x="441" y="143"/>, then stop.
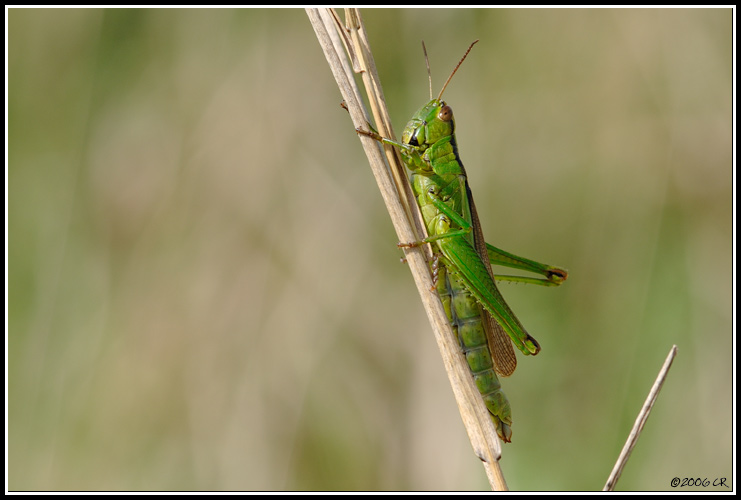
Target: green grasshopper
<point x="461" y="264"/>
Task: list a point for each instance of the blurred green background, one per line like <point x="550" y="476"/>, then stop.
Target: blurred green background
<point x="204" y="290"/>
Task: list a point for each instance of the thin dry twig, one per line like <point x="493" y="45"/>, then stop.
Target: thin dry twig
<point x="640" y="422"/>
<point x="406" y="218"/>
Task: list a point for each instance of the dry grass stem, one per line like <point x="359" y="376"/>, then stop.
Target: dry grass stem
<point x="397" y="195"/>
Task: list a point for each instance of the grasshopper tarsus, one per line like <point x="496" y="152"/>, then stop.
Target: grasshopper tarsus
<point x="557" y="275"/>
<point x="435" y="265"/>
<point x="369" y="133"/>
<point x="413" y="244"/>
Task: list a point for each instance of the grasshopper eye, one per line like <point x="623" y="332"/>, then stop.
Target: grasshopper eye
<point x="446" y="113"/>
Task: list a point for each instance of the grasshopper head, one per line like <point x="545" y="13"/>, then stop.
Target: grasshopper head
<point x="433" y="121"/>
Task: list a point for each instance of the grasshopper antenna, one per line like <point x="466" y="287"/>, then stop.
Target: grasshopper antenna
<point x="455" y="69"/>
<point x="427" y="62"/>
